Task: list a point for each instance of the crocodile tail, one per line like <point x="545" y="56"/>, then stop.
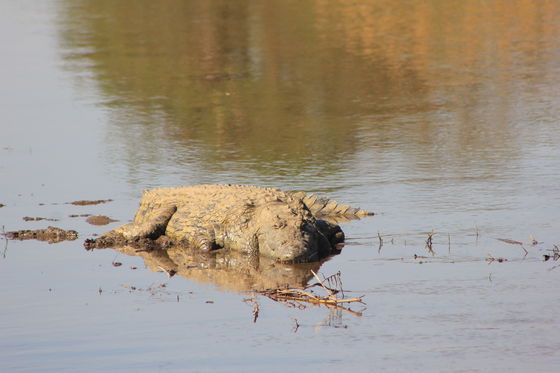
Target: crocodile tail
<point x="325" y="207"/>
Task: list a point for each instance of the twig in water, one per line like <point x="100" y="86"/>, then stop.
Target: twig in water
<point x="429" y="243"/>
<point x="491" y="259"/>
<point x="169" y="272"/>
<point x="333" y="320"/>
<point x="448" y="243"/>
<point x="6" y="244"/>
<point x="380" y="243"/>
<point x="533" y="240"/>
<point x="295" y="297"/>
<point x="329" y="290"/>
<point x="256" y="309"/>
<point x="255" y="306"/>
<point x="555" y="254"/>
<point x="335" y="280"/>
<point x="513" y="242"/>
<point x="304" y="296"/>
<point x="296" y="325"/>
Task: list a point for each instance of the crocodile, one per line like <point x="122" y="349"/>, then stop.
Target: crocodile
<point x="282" y="225"/>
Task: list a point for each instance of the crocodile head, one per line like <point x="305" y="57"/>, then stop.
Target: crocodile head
<point x="290" y="233"/>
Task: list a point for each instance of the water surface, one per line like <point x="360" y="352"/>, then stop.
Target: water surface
<point x="439" y="116"/>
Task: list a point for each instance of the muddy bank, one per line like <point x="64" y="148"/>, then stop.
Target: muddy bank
<point x="100" y="220"/>
<point x="37" y="218"/>
<point x="86" y="202"/>
<point x="50" y="235"/>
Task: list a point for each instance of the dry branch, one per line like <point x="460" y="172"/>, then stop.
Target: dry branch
<point x="513" y="242"/>
<point x="298" y="297"/>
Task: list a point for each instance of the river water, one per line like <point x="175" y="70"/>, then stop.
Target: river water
<point x="442" y="117"/>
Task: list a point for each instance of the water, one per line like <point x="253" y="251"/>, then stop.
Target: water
<point x="439" y="116"/>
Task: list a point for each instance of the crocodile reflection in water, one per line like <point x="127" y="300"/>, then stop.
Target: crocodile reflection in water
<point x="227" y="269"/>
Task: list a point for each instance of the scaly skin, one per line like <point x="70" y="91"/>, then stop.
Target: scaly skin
<point x="255" y="220"/>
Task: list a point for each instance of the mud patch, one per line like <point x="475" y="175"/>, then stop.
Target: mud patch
<point x="100" y="220"/>
<point x="87" y="203"/>
<point x="29" y="218"/>
<point x="50" y="235"/>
